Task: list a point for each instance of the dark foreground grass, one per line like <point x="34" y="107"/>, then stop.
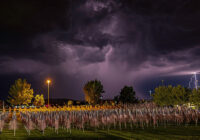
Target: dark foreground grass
<point x="169" y="133"/>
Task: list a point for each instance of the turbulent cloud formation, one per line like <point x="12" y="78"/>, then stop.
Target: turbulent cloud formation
<point x="134" y="42"/>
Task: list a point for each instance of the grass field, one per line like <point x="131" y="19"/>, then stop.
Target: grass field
<point x="171" y="133"/>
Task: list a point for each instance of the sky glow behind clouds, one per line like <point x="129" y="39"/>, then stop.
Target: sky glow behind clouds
<point x="135" y="43"/>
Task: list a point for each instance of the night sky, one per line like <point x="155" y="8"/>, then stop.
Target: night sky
<point x="120" y="42"/>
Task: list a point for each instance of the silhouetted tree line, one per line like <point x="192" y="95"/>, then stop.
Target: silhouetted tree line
<point x="126" y="95"/>
<point x="93" y="92"/>
<point x="176" y="95"/>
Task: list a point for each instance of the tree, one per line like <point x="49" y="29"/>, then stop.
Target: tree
<point x="195" y="97"/>
<point x="116" y="99"/>
<point x="70" y="103"/>
<point x="78" y="102"/>
<point x="39" y="100"/>
<point x="169" y="95"/>
<point x="180" y="95"/>
<point x="20" y="93"/>
<point x="127" y="95"/>
<point x="93" y="90"/>
<point x="162" y="95"/>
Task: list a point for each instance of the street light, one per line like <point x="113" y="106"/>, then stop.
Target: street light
<point x="48" y="82"/>
<point x="162" y="82"/>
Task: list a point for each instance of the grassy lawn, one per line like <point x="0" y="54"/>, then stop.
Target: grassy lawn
<point x="171" y="133"/>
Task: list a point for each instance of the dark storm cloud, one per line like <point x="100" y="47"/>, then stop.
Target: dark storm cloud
<point x="22" y="24"/>
<point x="118" y="42"/>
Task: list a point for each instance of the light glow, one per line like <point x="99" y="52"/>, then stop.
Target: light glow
<point x="48" y="81"/>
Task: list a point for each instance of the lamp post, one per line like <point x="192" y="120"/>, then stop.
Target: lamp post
<point x="150" y="92"/>
<point x="162" y="82"/>
<point x="48" y="82"/>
